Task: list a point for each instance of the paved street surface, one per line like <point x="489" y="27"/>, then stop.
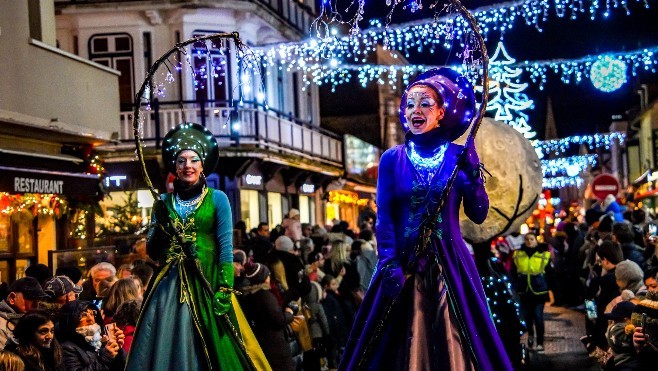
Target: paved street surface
<point x="564" y="351"/>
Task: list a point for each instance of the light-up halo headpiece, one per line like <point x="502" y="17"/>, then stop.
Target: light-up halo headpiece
<point x="194" y="137"/>
<point x="458" y="99"/>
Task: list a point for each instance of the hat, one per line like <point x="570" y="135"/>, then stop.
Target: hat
<point x="293" y="213"/>
<point x="628" y="272"/>
<point x="194" y="137"/>
<point x="239" y="256"/>
<point x="623" y="309"/>
<point x="60" y="286"/>
<point x="29" y="287"/>
<point x="284" y="243"/>
<point x="256" y="272"/>
<point x="457" y="95"/>
<point x="39" y="271"/>
<point x="315" y="257"/>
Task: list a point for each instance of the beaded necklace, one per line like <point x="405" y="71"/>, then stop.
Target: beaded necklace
<point x="186" y="207"/>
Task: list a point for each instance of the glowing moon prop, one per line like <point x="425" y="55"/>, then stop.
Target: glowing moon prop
<point x="514" y="185"/>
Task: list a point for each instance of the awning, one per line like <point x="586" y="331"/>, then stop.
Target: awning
<point x="22" y="180"/>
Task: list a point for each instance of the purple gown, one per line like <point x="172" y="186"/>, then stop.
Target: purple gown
<point x="440" y="320"/>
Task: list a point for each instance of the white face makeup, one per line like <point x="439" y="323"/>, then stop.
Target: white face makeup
<point x="422" y="109"/>
<point x="189" y="166"/>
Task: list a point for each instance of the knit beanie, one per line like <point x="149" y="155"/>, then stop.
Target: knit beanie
<point x="257" y="273"/>
<point x="606" y="224"/>
<point x="628" y="272"/>
<point x="284" y="243"/>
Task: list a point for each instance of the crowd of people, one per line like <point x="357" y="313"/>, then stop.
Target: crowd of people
<point x="65" y="322"/>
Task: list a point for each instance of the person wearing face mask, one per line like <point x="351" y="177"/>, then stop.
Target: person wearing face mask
<point x="190" y="319"/>
<point x="425" y="307"/>
<point x="37" y="346"/>
<point x="85" y="344"/>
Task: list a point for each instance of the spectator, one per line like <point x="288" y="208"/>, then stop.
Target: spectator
<point x="243" y="241"/>
<point x="98" y="273"/>
<point x="338" y="329"/>
<point x="651" y="279"/>
<point x="313" y="270"/>
<point x="532" y="271"/>
<point x="39" y="271"/>
<point x="124" y="271"/>
<point x="630" y="276"/>
<point x="143" y="272"/>
<point x="611" y="207"/>
<point x="365" y="259"/>
<point x="83" y="346"/>
<point x="120" y="292"/>
<point x="61" y="290"/>
<point x="645" y="340"/>
<point x="319" y="237"/>
<point x="239" y="261"/>
<point x="623" y="233"/>
<point x="367" y="216"/>
<point x="294" y="282"/>
<point x="9" y="361"/>
<point x="318" y="326"/>
<point x="24" y="295"/>
<point x="619" y="339"/>
<point x="292" y="225"/>
<point x="126" y="318"/>
<point x="37" y="346"/>
<point x="267" y="318"/>
<point x="368" y="236"/>
<point x="261" y="245"/>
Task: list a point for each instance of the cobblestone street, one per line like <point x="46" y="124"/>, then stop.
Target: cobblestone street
<point x="564" y="351"/>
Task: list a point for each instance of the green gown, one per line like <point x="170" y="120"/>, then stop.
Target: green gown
<point x="179" y="328"/>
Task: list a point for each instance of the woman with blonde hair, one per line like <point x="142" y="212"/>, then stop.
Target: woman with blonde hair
<point x="10" y="362"/>
<point x="123" y="290"/>
<point x="339" y="256"/>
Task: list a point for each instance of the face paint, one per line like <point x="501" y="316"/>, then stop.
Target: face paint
<point x="189" y="166"/>
<point x="422" y="111"/>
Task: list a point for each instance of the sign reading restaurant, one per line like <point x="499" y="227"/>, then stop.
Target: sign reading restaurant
<point x="19" y="180"/>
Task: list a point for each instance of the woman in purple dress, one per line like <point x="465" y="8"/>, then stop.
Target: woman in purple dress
<point x="425" y="308"/>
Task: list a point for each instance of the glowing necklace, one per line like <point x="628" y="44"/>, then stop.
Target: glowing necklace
<point x="426" y="166"/>
<point x="186" y="207"/>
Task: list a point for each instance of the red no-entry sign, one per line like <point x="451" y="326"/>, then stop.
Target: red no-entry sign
<point x="603" y="185"/>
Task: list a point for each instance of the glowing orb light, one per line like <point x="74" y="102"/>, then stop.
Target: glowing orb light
<point x="608" y="74"/>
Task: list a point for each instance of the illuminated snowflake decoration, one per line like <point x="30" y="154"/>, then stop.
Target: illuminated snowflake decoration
<point x="608" y="74"/>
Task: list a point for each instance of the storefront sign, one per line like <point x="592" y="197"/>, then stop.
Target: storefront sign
<point x="253" y="180"/>
<point x="604" y="185"/>
<point x="307" y="188"/>
<point x="19" y="180"/>
<point x="115" y="180"/>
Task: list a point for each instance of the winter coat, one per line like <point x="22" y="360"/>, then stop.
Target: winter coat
<point x="317" y="323"/>
<point x="31" y="364"/>
<point x="8" y="320"/>
<point x="269" y="322"/>
<point x="634" y="253"/>
<point x="335" y="317"/>
<point x="129" y="332"/>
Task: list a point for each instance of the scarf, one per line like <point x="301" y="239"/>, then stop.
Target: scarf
<point x="92" y="335"/>
<point x="187" y="192"/>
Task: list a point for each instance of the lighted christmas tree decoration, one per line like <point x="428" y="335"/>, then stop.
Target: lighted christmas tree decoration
<point x="608" y="74"/>
<point x="507" y="100"/>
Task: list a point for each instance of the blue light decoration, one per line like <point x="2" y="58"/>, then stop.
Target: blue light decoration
<point x="559" y="146"/>
<point x="506" y="97"/>
<point x="561" y="182"/>
<point x="572" y="165"/>
<point x="608" y="74"/>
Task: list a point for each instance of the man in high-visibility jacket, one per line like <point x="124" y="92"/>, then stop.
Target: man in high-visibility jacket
<point x="532" y="266"/>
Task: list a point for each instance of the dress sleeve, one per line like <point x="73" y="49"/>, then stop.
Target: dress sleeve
<point x="156" y="241"/>
<point x="476" y="200"/>
<point x="385" y="227"/>
<point x="224" y="226"/>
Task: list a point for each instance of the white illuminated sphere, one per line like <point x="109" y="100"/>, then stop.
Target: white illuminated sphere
<point x="608" y="74"/>
<point x="506" y="154"/>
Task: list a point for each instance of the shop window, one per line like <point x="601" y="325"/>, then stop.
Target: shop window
<point x="116" y="51"/>
<point x="211" y="64"/>
<point x="25" y="236"/>
<point x="4" y="271"/>
<point x="5" y="233"/>
<point x="249" y="210"/>
<point x="274" y="209"/>
<point x="304" y="209"/>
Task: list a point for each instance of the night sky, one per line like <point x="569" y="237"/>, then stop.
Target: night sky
<point x="578" y="109"/>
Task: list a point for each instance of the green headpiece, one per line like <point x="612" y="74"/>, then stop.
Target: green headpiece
<point x="194" y="137"/>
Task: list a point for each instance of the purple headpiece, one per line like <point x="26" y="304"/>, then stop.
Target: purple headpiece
<point x="457" y="95"/>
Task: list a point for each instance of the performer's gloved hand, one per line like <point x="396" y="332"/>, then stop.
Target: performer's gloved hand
<point x="470" y="161"/>
<point x="392" y="280"/>
<point x="222" y="299"/>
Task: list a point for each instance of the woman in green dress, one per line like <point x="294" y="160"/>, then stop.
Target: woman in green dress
<point x="190" y="319"/>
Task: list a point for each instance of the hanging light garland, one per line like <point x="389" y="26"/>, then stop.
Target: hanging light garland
<point x="572" y="165"/>
<point x="34" y="204"/>
<point x="561" y="182"/>
<point x="559" y="146"/>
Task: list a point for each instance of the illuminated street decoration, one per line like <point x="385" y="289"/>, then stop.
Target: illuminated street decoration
<point x="561" y="182"/>
<point x="558" y="146"/>
<point x="506" y="97"/>
<point x="572" y="166"/>
<point x="608" y="74"/>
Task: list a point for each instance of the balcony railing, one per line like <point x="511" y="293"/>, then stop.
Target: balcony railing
<point x="250" y="124"/>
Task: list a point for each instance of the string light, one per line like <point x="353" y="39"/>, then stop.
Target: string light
<point x="559" y="146"/>
<point x="33" y="203"/>
<point x="561" y="182"/>
<point x="572" y="166"/>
